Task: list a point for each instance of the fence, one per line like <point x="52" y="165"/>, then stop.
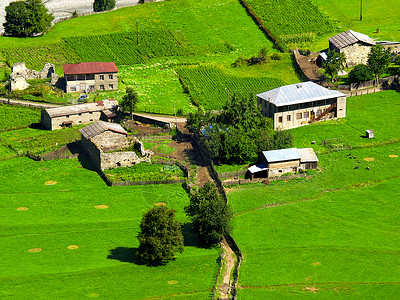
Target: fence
<point x="379" y="85"/>
<point x="50" y="157"/>
<point x="224" y="175"/>
<point x="246" y="181"/>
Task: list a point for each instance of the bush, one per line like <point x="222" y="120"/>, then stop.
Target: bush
<point x="276" y="56"/>
<point x="360" y="73"/>
<point x="160" y="236"/>
<point x="103" y="5"/>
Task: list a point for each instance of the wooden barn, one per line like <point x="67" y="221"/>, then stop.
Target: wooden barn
<point x="278" y="162"/>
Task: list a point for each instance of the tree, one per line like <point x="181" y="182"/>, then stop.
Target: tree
<point x="379" y="60"/>
<point x="334" y="63"/>
<point x="397" y="60"/>
<point x="129" y="101"/>
<point x="103" y="5"/>
<point x="360" y="73"/>
<point x="27" y="18"/>
<point x="160" y="236"/>
<point x="210" y="214"/>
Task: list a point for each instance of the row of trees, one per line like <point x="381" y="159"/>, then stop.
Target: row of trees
<point x="239" y="133"/>
<point x="31" y="17"/>
<point x="377" y="63"/>
<point x="161" y="237"/>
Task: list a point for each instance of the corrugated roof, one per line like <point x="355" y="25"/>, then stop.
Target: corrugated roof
<point x="350" y="37"/>
<point x="82" y="108"/>
<point x="100" y="127"/>
<point x="90" y="68"/>
<point x="299" y="93"/>
<point x="281" y="155"/>
<point x="307" y="155"/>
<point x="257" y="168"/>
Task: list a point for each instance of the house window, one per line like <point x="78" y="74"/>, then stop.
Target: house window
<point x="80" y="122"/>
<point x="110" y="77"/>
<point x="298" y="115"/>
<point x="101" y="77"/>
<point x="319" y="112"/>
<point x="306" y="114"/>
<point x="102" y="87"/>
<point x="72" y="88"/>
<point x="111" y="86"/>
<point x="91" y="120"/>
<point x="67" y="116"/>
<point x="280" y="119"/>
<point x="288" y="117"/>
<point x="90" y="112"/>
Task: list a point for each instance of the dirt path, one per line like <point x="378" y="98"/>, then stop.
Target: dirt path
<point x="230" y="259"/>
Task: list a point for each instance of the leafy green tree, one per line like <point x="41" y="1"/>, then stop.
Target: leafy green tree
<point x="27" y="18"/>
<point x="210" y="214"/>
<point x="103" y="5"/>
<point x="334" y="63"/>
<point x="397" y="60"/>
<point x="360" y="73"/>
<point x="129" y="101"/>
<point x="160" y="236"/>
<point x="379" y="60"/>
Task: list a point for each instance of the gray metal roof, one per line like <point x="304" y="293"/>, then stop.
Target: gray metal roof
<point x="82" y="108"/>
<point x="257" y="168"/>
<point x="281" y="155"/>
<point x="307" y="155"/>
<point x="100" y="127"/>
<point x="299" y="93"/>
<point x="350" y="37"/>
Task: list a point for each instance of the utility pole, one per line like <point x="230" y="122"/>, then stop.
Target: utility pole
<point x="137" y="32"/>
<point x="361" y="11"/>
<point x="9" y="90"/>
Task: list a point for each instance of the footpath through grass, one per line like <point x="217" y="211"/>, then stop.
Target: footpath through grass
<point x="82" y="236"/>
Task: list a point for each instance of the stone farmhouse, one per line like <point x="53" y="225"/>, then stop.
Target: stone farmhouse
<point x="68" y="116"/>
<point x="299" y="104"/>
<point x="102" y="140"/>
<point x="278" y="162"/>
<point x="88" y="77"/>
<point x="356" y="46"/>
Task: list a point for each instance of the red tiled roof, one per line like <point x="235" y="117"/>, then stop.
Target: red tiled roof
<point x="90" y="68"/>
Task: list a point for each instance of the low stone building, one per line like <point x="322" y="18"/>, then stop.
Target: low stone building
<point x="356" y="46"/>
<point x="299" y="104"/>
<point x="102" y="140"/>
<point x="68" y="116"/>
<point x="88" y="77"/>
<point x="278" y="162"/>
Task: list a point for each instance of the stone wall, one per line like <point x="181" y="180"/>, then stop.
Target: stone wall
<point x="83" y="118"/>
<point x="110" y="141"/>
<point x="356" y="54"/>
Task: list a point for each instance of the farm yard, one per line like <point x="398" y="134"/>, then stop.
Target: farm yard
<point x="333" y="233"/>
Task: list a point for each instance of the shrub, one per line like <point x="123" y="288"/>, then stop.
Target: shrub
<point x="103" y="5"/>
<point x="360" y="73"/>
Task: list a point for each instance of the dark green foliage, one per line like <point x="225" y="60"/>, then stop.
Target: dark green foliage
<point x="360" y="73"/>
<point x="210" y="214"/>
<point x="103" y="5"/>
<point x="27" y="18"/>
<point x="397" y="60"/>
<point x="378" y="60"/>
<point x="160" y="236"/>
<point x="334" y="63"/>
<point x="260" y="58"/>
<point x="129" y="101"/>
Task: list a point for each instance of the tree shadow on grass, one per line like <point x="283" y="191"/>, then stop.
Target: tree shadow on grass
<point x="190" y="237"/>
<point x="125" y="254"/>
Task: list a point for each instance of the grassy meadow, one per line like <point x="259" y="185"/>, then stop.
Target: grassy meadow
<point x="87" y="250"/>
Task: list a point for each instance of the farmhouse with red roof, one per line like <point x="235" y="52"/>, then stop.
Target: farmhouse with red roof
<point x="88" y="77"/>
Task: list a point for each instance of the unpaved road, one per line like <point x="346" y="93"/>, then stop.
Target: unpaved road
<point x="64" y="8"/>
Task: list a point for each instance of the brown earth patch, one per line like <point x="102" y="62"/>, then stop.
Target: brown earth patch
<point x="22" y="208"/>
<point x="33" y="250"/>
<point x="101" y="206"/>
<point x="173" y="282"/>
<point x="316" y="263"/>
<point x="312" y="289"/>
<point x="73" y="247"/>
<point x="393" y="156"/>
<point x="369" y="159"/>
<point x="160" y="204"/>
<point x="50" y="182"/>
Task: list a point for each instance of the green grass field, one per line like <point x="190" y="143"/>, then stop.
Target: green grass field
<point x="12" y="117"/>
<point x="61" y="198"/>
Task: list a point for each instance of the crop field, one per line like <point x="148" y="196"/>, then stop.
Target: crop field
<point x="209" y="86"/>
<point x="12" y="117"/>
<point x="374" y="111"/>
<point x="66" y="242"/>
<point x="292" y="22"/>
<point x="123" y="49"/>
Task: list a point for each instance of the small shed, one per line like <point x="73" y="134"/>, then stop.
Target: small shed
<point x="309" y="159"/>
<point x="369" y="134"/>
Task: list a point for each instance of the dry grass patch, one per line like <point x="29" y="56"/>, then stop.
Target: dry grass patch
<point x="34" y="250"/>
<point x="369" y="159"/>
<point x="160" y="204"/>
<point x="22" y="208"/>
<point x="101" y="206"/>
<point x="173" y="282"/>
<point x="312" y="289"/>
<point x="73" y="247"/>
<point x="393" y="156"/>
<point x="50" y="182"/>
